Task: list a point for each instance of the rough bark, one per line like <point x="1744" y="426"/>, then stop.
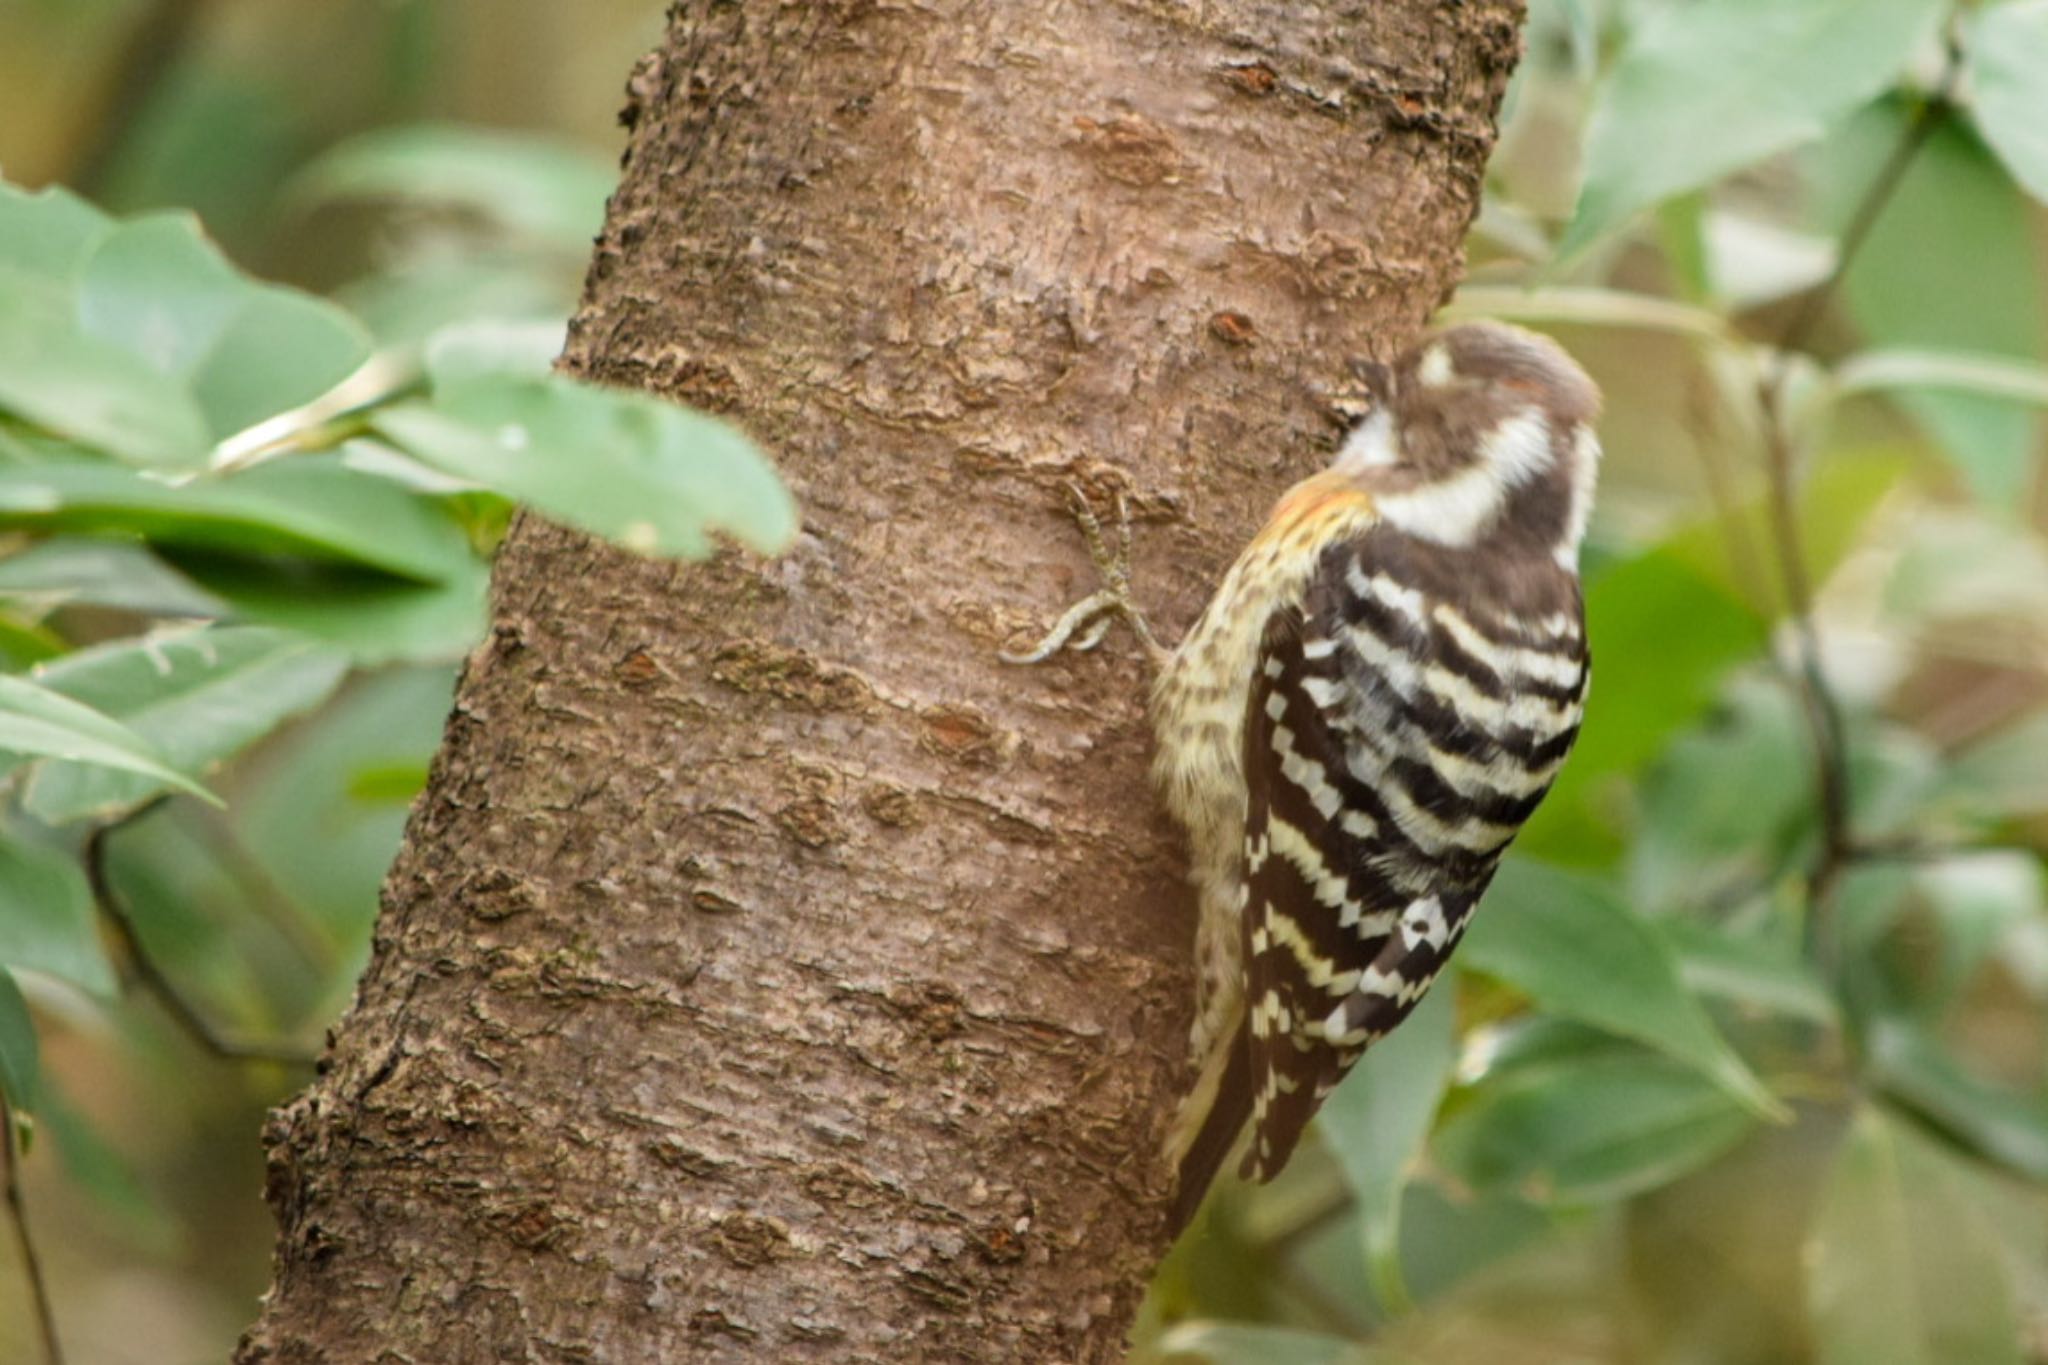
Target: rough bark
<point x="769" y="972"/>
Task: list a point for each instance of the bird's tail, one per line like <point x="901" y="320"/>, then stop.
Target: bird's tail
<point x="1210" y="1122"/>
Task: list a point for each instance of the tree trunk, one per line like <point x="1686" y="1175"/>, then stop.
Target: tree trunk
<point x="769" y="972"/>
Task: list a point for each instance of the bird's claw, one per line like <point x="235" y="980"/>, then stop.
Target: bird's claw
<point x="1084" y="625"/>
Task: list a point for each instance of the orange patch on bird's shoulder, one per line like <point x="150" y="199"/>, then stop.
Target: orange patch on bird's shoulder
<point x="1318" y="508"/>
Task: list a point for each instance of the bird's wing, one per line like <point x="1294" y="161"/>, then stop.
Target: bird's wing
<point x="1374" y="741"/>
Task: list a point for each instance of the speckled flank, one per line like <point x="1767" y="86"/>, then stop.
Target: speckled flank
<point x="1198" y="713"/>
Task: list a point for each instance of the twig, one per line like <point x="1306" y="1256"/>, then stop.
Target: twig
<point x="1909" y="849"/>
<point x="182" y="1011"/>
<point x="1733" y="518"/>
<point x="1823" y="709"/>
<point x="17" y="1214"/>
<point x="1875" y="200"/>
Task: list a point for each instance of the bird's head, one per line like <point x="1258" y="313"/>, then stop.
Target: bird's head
<point x="1481" y="434"/>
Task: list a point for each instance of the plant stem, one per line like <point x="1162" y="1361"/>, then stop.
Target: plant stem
<point x="182" y="1011"/>
<point x="1823" y="708"/>
<point x="17" y="1215"/>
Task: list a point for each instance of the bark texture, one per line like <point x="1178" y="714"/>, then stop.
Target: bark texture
<point x="770" y="974"/>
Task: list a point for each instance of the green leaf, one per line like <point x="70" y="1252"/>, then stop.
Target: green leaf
<point x="652" y="476"/>
<point x="103" y="1172"/>
<point x="1590" y="306"/>
<point x="2005" y="1127"/>
<point x="1961" y="565"/>
<point x="1893" y="774"/>
<point x="2008" y="47"/>
<point x="377" y="619"/>
<point x="492" y="347"/>
<point x="310" y="508"/>
<point x="546" y="190"/>
<point x="1577" y="952"/>
<point x="18" y="1063"/>
<point x="298" y="816"/>
<point x="415" y="297"/>
<point x="366" y="456"/>
<point x="1753" y="262"/>
<point x="46" y="918"/>
<point x="246" y="350"/>
<point x="1459" y="1242"/>
<point x="218" y="136"/>
<point x="155" y="287"/>
<point x="1229" y="1343"/>
<point x="2004" y="774"/>
<point x="1702" y="90"/>
<point x="1376" y="1123"/>
<point x="1748" y="970"/>
<point x="1837" y="495"/>
<point x="102" y="573"/>
<point x="48" y="234"/>
<point x="1726" y="804"/>
<point x="1869" y="902"/>
<point x="282" y="349"/>
<point x="1978" y="899"/>
<point x="1979" y="295"/>
<point x="36" y="721"/>
<point x="1682" y="235"/>
<point x="1904" y="1270"/>
<point x="387" y="784"/>
<point x="1648" y="682"/>
<point x="24" y="644"/>
<point x="199" y="697"/>
<point x="58" y="379"/>
<point x="1989" y="375"/>
<point x="1588" y="1129"/>
<point x="1582" y="32"/>
<point x="139" y="339"/>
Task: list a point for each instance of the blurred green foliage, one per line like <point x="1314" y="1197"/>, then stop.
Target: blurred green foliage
<point x="1727" y="1075"/>
<point x="1732" y="1072"/>
<point x="244" y="533"/>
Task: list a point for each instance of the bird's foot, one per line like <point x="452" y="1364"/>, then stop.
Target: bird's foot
<point x="1083" y="625"/>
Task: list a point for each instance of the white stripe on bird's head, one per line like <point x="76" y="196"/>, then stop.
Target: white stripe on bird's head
<point x="1459" y="510"/>
<point x="1585" y="477"/>
<point x="1372" y="444"/>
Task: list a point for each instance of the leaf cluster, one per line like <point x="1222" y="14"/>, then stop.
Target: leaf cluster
<point x="227" y="505"/>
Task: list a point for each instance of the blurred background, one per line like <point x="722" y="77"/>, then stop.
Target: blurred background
<point x="424" y="162"/>
<point x="1771" y="1085"/>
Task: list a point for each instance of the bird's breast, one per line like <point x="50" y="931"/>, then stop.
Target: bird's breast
<point x="1198" y="704"/>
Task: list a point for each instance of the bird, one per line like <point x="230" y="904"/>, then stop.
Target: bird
<point x="1378" y="694"/>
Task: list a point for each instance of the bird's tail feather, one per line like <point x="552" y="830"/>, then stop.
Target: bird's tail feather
<point x="1211" y="1120"/>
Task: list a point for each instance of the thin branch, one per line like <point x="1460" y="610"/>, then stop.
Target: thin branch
<point x="1909" y="849"/>
<point x="1875" y="200"/>
<point x="1823" y="708"/>
<point x="17" y="1215"/>
<point x="1733" y="518"/>
<point x="182" y="1011"/>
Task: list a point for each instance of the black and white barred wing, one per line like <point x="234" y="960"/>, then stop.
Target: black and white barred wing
<point x="1320" y="911"/>
<point x="1388" y="763"/>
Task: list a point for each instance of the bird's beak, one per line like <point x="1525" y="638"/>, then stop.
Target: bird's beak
<point x="1376" y="378"/>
